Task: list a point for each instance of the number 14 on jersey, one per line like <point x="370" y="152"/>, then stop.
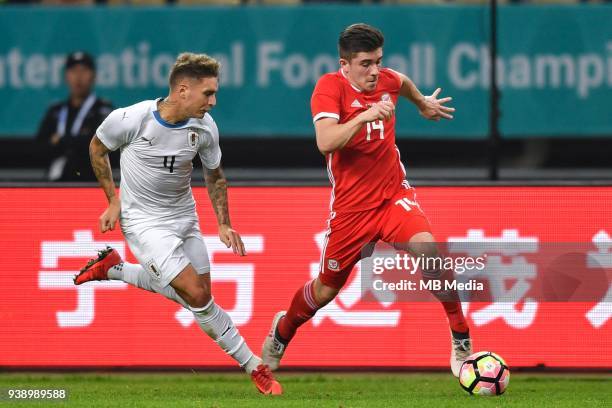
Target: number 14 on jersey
<point x="375" y="126"/>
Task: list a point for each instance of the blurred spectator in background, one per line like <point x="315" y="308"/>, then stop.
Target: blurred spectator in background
<point x="68" y="126"/>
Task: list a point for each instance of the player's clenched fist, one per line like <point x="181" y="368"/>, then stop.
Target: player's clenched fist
<point x="110" y="216"/>
<point x="379" y="111"/>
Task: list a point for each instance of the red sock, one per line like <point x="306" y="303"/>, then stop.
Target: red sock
<point x="452" y="307"/>
<point x="456" y="320"/>
<point x="303" y="308"/>
<point x="453" y="310"/>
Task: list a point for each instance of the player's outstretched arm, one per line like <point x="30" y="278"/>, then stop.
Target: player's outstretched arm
<point x="98" y="155"/>
<point x="216" y="183"/>
<point x="430" y="107"/>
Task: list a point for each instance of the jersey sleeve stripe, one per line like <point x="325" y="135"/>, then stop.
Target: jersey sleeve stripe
<point x="322" y="115"/>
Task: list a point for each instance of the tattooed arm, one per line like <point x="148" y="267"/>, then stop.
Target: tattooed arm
<point x="216" y="183"/>
<point x="217" y="191"/>
<point x="98" y="154"/>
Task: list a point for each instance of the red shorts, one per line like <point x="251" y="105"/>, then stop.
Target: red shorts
<point x="395" y="220"/>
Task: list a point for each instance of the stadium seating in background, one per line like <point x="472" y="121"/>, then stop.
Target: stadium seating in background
<point x="414" y="1"/>
<point x="340" y="1"/>
<point x="67" y="2"/>
<point x="136" y="2"/>
<point x="439" y="2"/>
<point x="552" y="2"/>
<point x="286" y="2"/>
<point x="209" y="2"/>
<point x="277" y="2"/>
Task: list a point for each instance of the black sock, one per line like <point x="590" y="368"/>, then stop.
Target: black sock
<point x="460" y="336"/>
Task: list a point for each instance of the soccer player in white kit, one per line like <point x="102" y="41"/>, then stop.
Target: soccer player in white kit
<point x="158" y="141"/>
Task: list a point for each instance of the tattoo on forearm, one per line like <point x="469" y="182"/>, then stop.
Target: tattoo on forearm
<point x="102" y="169"/>
<point x="216" y="183"/>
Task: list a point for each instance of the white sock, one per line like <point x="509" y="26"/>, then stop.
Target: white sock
<point x="219" y="326"/>
<point x="136" y="275"/>
<point x="213" y="320"/>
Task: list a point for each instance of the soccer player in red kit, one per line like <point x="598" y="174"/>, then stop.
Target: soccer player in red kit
<point x="353" y="115"/>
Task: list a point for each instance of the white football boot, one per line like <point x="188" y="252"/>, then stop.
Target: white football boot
<point x="273" y="349"/>
<point x="461" y="349"/>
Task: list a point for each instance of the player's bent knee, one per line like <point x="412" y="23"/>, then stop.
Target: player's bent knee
<point x="323" y="293"/>
<point x="421" y="238"/>
<point x="198" y="296"/>
<point x="427" y="249"/>
<point x="434" y="273"/>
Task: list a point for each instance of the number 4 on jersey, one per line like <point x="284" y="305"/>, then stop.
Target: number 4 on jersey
<point x="377" y="125"/>
<point x="169" y="164"/>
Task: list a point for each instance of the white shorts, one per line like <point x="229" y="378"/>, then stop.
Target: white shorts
<point x="165" y="249"/>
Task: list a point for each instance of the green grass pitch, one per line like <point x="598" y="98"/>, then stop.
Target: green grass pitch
<point x="307" y="390"/>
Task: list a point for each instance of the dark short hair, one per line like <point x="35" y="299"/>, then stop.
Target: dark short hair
<point x="196" y="66"/>
<point x="359" y="38"/>
<point x="79" y="58"/>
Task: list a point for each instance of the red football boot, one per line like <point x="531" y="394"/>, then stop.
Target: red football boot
<point x="97" y="268"/>
<point x="265" y="381"/>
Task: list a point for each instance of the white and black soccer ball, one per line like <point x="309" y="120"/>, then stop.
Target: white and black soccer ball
<point x="484" y="373"/>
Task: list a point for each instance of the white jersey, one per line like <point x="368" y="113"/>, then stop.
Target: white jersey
<point x="156" y="161"/>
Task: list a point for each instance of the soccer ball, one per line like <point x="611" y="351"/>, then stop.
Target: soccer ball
<point x="484" y="373"/>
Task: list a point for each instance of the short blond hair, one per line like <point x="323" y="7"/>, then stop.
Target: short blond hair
<point x="196" y="66"/>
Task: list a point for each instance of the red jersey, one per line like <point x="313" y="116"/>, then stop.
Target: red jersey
<point x="368" y="169"/>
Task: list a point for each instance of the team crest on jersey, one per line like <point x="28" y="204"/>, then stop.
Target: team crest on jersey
<point x="385" y="97"/>
<point x="333" y="265"/>
<point x="193" y="138"/>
